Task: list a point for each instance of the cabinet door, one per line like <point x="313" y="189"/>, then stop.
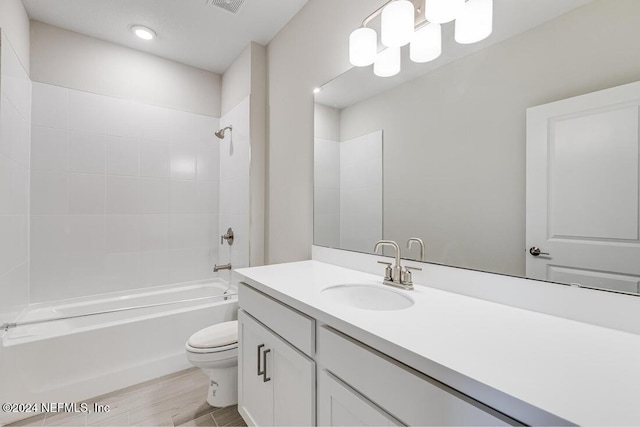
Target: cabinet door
<point x="340" y="405"/>
<point x="294" y="386"/>
<point x="284" y="391"/>
<point x="255" y="395"/>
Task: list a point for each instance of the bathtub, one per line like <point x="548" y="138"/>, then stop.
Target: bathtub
<point x="77" y="358"/>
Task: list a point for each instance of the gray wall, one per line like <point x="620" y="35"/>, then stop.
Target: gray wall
<point x="309" y="51"/>
<point x="68" y="59"/>
<point x="454" y="151"/>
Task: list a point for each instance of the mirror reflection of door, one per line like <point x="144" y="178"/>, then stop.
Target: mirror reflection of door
<point x="582" y="190"/>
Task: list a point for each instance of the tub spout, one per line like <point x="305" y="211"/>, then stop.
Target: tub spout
<point x="217" y="268"/>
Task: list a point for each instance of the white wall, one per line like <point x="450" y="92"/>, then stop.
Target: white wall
<point x="458" y="133"/>
<point x="305" y="54"/>
<point x="14" y="21"/>
<point x="124" y="194"/>
<point x="583" y="60"/>
<point x="15" y="117"/>
<point x="68" y="59"/>
<point x="361" y="192"/>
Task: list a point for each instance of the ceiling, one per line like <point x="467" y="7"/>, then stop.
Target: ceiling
<point x="510" y="18"/>
<point x="189" y="31"/>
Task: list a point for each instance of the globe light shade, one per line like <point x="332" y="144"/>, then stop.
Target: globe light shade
<point x="398" y="20"/>
<point x="363" y="47"/>
<point x="387" y="63"/>
<point x="426" y="44"/>
<point x="475" y="22"/>
<point x="442" y="11"/>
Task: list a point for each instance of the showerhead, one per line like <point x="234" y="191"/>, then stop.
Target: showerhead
<point x="220" y="133"/>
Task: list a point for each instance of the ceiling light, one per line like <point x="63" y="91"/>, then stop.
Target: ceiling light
<point x="400" y="24"/>
<point x="387" y="63"/>
<point x="475" y="22"/>
<point x="397" y="23"/>
<point x="317" y="90"/>
<point x="145" y="33"/>
<point x="442" y="11"/>
<point x="426" y="44"/>
<point x="363" y="47"/>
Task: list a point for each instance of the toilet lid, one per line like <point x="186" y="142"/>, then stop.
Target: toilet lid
<point x="219" y="335"/>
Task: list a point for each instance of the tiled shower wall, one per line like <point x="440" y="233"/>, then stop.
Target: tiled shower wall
<point x="235" y="158"/>
<point x="15" y="115"/>
<point x="123" y="195"/>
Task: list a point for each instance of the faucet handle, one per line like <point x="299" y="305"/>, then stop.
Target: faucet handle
<point x="387" y="270"/>
<point x="413" y="268"/>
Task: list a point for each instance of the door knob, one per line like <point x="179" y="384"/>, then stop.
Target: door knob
<point x="535" y="251"/>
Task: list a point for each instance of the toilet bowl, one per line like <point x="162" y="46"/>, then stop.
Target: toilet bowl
<point x="215" y="350"/>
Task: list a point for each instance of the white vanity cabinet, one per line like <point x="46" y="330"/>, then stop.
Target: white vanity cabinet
<point x="276" y="380"/>
<point x="395" y="394"/>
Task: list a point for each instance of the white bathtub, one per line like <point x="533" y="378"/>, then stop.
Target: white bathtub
<point x="78" y="358"/>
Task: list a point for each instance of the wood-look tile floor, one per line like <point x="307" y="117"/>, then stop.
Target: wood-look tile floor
<point x="175" y="400"/>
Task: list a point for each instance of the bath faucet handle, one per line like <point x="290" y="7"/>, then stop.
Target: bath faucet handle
<point x="228" y="237"/>
<point x="407" y="278"/>
<point x="387" y="270"/>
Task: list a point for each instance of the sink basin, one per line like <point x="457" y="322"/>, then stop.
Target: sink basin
<point x="368" y="297"/>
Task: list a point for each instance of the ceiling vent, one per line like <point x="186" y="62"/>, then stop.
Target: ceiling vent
<point x="229" y="5"/>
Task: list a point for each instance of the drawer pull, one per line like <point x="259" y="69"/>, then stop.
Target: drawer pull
<point x="264" y="363"/>
<point x="260" y="372"/>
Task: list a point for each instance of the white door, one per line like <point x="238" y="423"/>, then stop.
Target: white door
<point x="255" y="390"/>
<point x="583" y="163"/>
<point x="340" y="405"/>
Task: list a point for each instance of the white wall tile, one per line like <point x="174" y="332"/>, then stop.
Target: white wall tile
<point x="49" y="149"/>
<point x="123" y="194"/>
<point x="154" y="123"/>
<point x="207" y="197"/>
<point x="9" y="128"/>
<point x="182" y="162"/>
<point x="123" y="233"/>
<point x="182" y="197"/>
<point x="49" y="234"/>
<point x="208" y="165"/>
<point x="182" y="128"/>
<point x="205" y="132"/>
<point x="19" y="189"/>
<point x="86" y="194"/>
<point x="86" y="152"/>
<point x="49" y="192"/>
<point x="87" y="234"/>
<point x="154" y="268"/>
<point x="50" y="106"/>
<point x="154" y="232"/>
<point x="122" y="271"/>
<point x="182" y="265"/>
<point x="6" y="203"/>
<point x="183" y="231"/>
<point x="154" y="159"/>
<point x="123" y="156"/>
<point x="154" y="196"/>
<point x="88" y="112"/>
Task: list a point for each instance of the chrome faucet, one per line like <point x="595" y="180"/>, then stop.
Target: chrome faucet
<point x="397" y="275"/>
<point x="420" y="242"/>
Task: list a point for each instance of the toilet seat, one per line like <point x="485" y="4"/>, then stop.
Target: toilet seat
<point x="215" y="336"/>
<point x="221" y="349"/>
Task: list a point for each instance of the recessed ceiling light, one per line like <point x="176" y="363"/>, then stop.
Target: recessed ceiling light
<point x="317" y="90"/>
<point x="145" y="33"/>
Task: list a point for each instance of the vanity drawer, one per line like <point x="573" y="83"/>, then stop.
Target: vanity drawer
<point x="408" y="395"/>
<point x="295" y="327"/>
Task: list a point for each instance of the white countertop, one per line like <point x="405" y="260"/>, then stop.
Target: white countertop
<point x="533" y="367"/>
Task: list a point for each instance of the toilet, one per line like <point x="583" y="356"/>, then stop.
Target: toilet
<point x="215" y="350"/>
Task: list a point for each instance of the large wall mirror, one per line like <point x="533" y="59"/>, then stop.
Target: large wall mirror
<point x="518" y="155"/>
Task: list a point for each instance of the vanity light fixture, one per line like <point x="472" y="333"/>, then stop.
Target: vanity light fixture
<point x="418" y="23"/>
<point x="145" y="33"/>
<point x="317" y="91"/>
